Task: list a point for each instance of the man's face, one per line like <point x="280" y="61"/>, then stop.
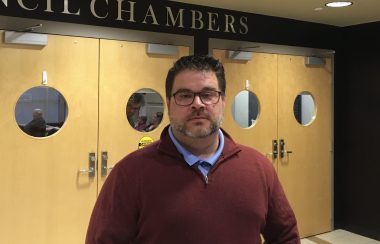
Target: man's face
<point x="196" y="120"/>
<point x="132" y="109"/>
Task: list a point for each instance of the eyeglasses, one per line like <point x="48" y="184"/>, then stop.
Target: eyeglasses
<point x="185" y="98"/>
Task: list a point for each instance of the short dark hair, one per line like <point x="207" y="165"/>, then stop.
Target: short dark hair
<point x="199" y="63"/>
<point x="136" y="98"/>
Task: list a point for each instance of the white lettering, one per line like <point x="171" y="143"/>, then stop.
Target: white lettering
<point x="126" y="11"/>
<point x="230" y="20"/>
<point x="131" y="11"/>
<point x="48" y="6"/>
<point x="21" y="3"/>
<point x="244" y="24"/>
<point x="212" y="18"/>
<point x="150" y="13"/>
<point x="169" y="13"/>
<point x="92" y="6"/>
<point x="195" y="18"/>
<point x="5" y="2"/>
<point x="66" y="8"/>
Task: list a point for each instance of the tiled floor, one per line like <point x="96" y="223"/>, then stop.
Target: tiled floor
<point x="339" y="237"/>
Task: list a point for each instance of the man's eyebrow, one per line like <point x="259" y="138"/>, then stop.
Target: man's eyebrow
<point x="204" y="89"/>
<point x="209" y="89"/>
<point x="183" y="90"/>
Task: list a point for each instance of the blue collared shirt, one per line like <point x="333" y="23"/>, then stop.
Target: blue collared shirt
<point x="192" y="159"/>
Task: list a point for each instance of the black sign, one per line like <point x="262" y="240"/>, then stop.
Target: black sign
<point x="159" y="16"/>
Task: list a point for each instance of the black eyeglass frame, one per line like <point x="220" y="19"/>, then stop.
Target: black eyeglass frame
<point x="220" y="93"/>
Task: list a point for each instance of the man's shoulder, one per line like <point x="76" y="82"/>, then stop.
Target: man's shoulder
<point x="141" y="157"/>
<point x="250" y="150"/>
<point x="254" y="156"/>
<point x="143" y="152"/>
<point x="232" y="147"/>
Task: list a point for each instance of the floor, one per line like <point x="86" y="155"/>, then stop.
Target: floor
<point x="338" y="237"/>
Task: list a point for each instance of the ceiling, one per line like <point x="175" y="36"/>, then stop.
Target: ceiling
<point x="362" y="11"/>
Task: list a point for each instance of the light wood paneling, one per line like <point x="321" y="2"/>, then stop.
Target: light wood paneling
<point x="261" y="72"/>
<point x="43" y="199"/>
<point x="306" y="173"/>
<point x="125" y="68"/>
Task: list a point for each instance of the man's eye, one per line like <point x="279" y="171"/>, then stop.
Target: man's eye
<point x="185" y="95"/>
<point x="207" y="95"/>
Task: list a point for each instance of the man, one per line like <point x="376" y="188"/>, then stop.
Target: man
<point x="133" y="107"/>
<point x="37" y="126"/>
<point x="195" y="185"/>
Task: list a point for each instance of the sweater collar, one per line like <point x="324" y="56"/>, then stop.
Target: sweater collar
<point x="167" y="146"/>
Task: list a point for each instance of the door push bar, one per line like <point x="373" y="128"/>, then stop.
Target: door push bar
<point x="91" y="166"/>
<point x="275" y="149"/>
<point x="274" y="153"/>
<point x="105" y="168"/>
<point x="282" y="149"/>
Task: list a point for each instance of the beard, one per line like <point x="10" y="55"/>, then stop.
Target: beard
<point x="196" y="131"/>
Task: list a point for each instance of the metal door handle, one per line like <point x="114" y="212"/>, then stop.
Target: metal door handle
<point x="108" y="168"/>
<point x="105" y="168"/>
<point x="274" y="149"/>
<point x="282" y="149"/>
<point x="274" y="153"/>
<point x="91" y="166"/>
<point x="86" y="171"/>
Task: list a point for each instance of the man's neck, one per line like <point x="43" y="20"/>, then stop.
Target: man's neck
<point x="200" y="147"/>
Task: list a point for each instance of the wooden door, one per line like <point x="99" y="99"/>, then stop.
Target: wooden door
<point x="125" y="68"/>
<point x="306" y="173"/>
<point x="43" y="198"/>
<point x="261" y="73"/>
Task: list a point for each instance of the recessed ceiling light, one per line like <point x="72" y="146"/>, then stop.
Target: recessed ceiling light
<point x="338" y="4"/>
<point x="318" y="9"/>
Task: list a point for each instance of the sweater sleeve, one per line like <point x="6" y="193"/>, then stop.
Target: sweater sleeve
<point x="115" y="215"/>
<point x="281" y="224"/>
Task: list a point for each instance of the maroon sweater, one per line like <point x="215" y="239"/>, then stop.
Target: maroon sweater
<point x="153" y="196"/>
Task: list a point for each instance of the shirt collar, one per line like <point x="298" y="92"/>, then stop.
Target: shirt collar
<point x="192" y="159"/>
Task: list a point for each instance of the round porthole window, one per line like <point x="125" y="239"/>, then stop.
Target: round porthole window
<point x="246" y="109"/>
<point x="41" y="111"/>
<point x="304" y="108"/>
<point x="145" y="110"/>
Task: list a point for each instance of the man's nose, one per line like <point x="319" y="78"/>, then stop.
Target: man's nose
<point x="197" y="103"/>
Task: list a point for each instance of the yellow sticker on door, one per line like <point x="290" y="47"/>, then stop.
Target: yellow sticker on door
<point x="146" y="140"/>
